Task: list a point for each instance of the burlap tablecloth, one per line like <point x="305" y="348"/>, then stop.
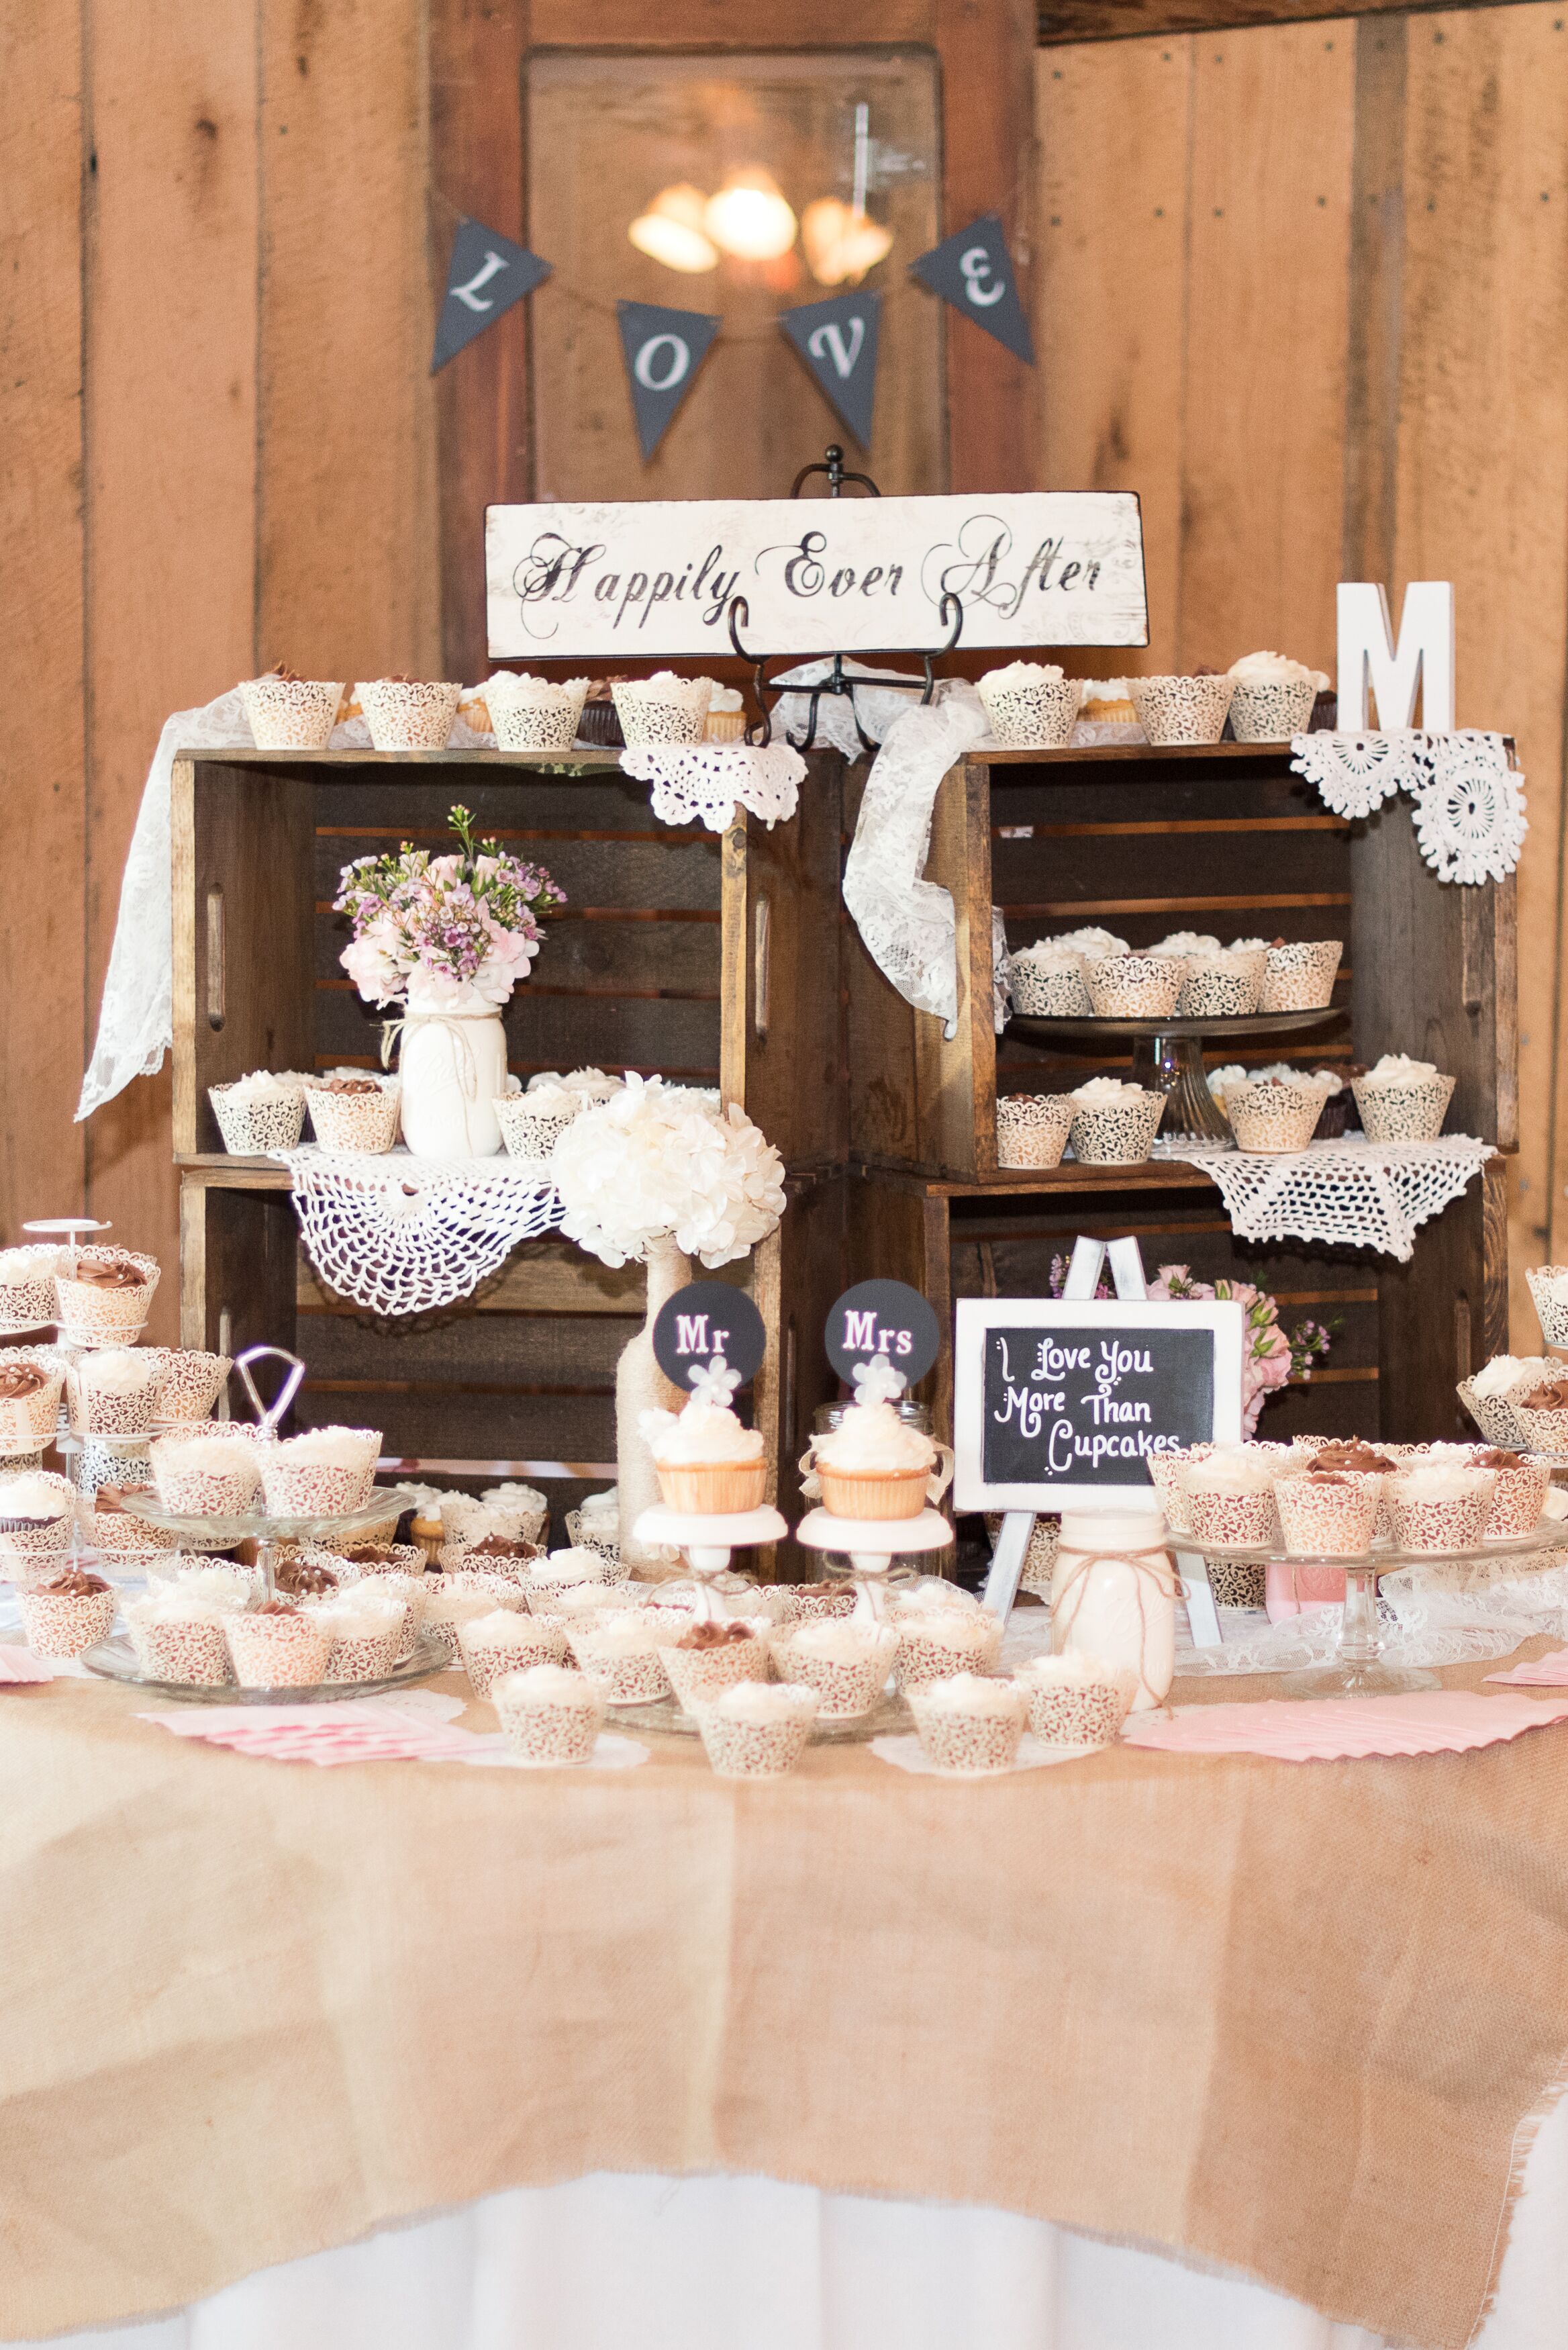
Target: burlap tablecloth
<point x="1292" y="2018"/>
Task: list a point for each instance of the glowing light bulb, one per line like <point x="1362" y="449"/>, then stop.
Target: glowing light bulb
<point x="841" y="245"/>
<point x="748" y="218"/>
<point x="672" y="231"/>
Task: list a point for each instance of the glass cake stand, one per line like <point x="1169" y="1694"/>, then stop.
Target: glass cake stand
<point x="1168" y="1054"/>
<point x="1357" y="1672"/>
<point x="115" y="1659"/>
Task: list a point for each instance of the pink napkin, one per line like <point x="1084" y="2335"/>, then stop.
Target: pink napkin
<point x="362" y="1730"/>
<point x="1550" y="1671"/>
<point x="20" y="1665"/>
<point x="1441" y="1722"/>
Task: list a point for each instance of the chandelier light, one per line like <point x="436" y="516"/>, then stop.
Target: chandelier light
<point x="672" y="231"/>
<point x="748" y="218"/>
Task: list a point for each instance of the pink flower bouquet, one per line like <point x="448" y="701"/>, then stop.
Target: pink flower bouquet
<point x="456" y="931"/>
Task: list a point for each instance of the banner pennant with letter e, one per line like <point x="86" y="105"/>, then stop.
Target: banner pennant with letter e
<point x="485" y="276"/>
<point x="664" y="348"/>
<point x="838" y="340"/>
<point x="973" y="271"/>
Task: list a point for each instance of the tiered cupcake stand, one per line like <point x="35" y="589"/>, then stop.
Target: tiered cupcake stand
<point x="1168" y="1054"/>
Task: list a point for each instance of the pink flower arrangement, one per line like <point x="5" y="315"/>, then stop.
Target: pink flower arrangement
<point x="455" y="930"/>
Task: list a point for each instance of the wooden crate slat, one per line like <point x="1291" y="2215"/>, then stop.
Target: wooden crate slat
<point x="560" y="1351"/>
<point x="618" y="951"/>
<point x="674" y="873"/>
<point x="553" y="1032"/>
<point x="1257" y="866"/>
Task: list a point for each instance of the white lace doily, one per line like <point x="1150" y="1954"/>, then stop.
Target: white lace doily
<point x="1470" y="813"/>
<point x="700" y="782"/>
<point x="1350" y="1194"/>
<point x="404" y="1235"/>
<point x="1469" y="809"/>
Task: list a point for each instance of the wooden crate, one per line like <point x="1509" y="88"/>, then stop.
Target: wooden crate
<point x="712" y="959"/>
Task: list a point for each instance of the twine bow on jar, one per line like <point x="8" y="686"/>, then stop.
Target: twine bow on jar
<point x="1150" y="1563"/>
<point x="468" y="1068"/>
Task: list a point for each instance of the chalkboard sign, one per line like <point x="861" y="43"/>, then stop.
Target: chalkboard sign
<point x="886" y="1318"/>
<point x="704" y="1319"/>
<point x="1059" y="1404"/>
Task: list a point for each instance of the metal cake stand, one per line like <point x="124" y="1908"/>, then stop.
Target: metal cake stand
<point x="1168" y="1054"/>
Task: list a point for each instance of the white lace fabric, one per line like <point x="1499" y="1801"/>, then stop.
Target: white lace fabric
<point x="404" y="1235"/>
<point x="700" y="782"/>
<point x="1349" y="1194"/>
<point x="1469" y="812"/>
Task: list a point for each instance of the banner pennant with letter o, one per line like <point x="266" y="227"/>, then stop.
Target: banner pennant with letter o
<point x="663" y="348"/>
<point x="485" y="276"/>
<point x="838" y="340"/>
<point x="973" y="271"/>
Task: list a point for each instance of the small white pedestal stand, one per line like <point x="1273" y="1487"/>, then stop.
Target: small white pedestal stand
<point x="707" y="1543"/>
<point x="872" y="1544"/>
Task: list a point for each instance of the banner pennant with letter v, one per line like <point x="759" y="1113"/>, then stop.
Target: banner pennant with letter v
<point x="663" y="350"/>
<point x="485" y="276"/>
<point x="838" y="340"/>
<point x="973" y="271"/>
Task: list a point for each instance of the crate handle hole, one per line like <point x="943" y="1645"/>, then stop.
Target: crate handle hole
<point x="762" y="940"/>
<point x="217" y="977"/>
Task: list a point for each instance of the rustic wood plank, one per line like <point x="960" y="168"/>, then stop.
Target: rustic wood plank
<point x="473" y="1425"/>
<point x="238" y="1268"/>
<point x="543" y="1276"/>
<point x="170" y="475"/>
<point x="1376" y="299"/>
<point x="1112" y="227"/>
<point x="560" y="1032"/>
<point x="1116" y="20"/>
<point x="43" y="1007"/>
<point x="612" y="954"/>
<point x="711" y="23"/>
<point x="1272" y="123"/>
<point x="783" y="1043"/>
<point x="565" y="1353"/>
<point x="1433" y="1315"/>
<point x="675" y="876"/>
<point x="1483" y="470"/>
<point x="347" y="576"/>
<point x="1261" y="867"/>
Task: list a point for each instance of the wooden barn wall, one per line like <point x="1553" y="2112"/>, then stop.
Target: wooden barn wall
<point x="1305" y="287"/>
<point x="216" y="450"/>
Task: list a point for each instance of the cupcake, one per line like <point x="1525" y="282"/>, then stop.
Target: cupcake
<point x="189" y="1382"/>
<point x="1402" y="1100"/>
<point x="1219" y="985"/>
<point x="363" y="1634"/>
<point x="1031" y="705"/>
<point x="1048" y="981"/>
<point x="303" y="1577"/>
<point x="757" y="1731"/>
<point x="600" y="721"/>
<point x="71" y="1611"/>
<point x="515" y="1509"/>
<point x="112" y="1525"/>
<point x="532" y="1123"/>
<point x="588" y="1602"/>
<point x="1105" y="701"/>
<point x="259" y="1114"/>
<point x="935" y="1644"/>
<point x="288" y="713"/>
<point x="808" y="1603"/>
<point x="29" y="1400"/>
<point x="448" y="1610"/>
<point x="276" y="1646"/>
<point x="27" y="1286"/>
<point x="1335" y="1116"/>
<point x="1440" y="1506"/>
<point x="595" y="1524"/>
<point x="325" y="1473"/>
<point x="535" y="713"/>
<point x="1325" y="1515"/>
<point x="114" y="1392"/>
<point x="1188" y="946"/>
<point x="505" y="1589"/>
<point x="1230" y="1498"/>
<point x="707" y="1463"/>
<point x="36" y="1511"/>
<point x="1273" y="697"/>
<point x="1182" y="709"/>
<point x="1255" y="953"/>
<point x="548" y="1714"/>
<point x="1032" y="1128"/>
<point x="180" y="1637"/>
<point x="1165" y="1471"/>
<point x="1114" y="1122"/>
<point x="970" y="1727"/>
<point x="1301" y="975"/>
<point x="1074" y="1700"/>
<point x="1549" y="1294"/>
<point x="354" y="1115"/>
<point x="620" y="1652"/>
<point x="1487" y="1397"/>
<point x="406" y="1594"/>
<point x="845" y="1662"/>
<point x="221" y="1583"/>
<point x="662" y="708"/>
<point x="1540" y="1408"/>
<point x="726" y="719"/>
<point x="563" y="1570"/>
<point x="1271" y="1115"/>
<point x="1134" y="986"/>
<point x="874" y="1465"/>
<point x="1519" y="1495"/>
<point x="106" y="1301"/>
<point x="206" y="1476"/>
<point x="406" y="714"/>
<point x="710" y="1656"/>
<point x="504" y="1642"/>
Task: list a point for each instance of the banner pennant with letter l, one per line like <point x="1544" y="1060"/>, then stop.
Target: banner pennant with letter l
<point x="838" y="340"/>
<point x="663" y="350"/>
<point x="485" y="276"/>
<point x="973" y="271"/>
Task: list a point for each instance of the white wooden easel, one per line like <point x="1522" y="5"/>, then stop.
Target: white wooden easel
<point x="1017" y="1526"/>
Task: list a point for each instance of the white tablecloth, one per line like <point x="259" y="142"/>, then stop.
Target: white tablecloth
<point x="607" y="2264"/>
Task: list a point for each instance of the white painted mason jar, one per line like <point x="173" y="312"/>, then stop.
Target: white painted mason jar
<point x="452" y="1063"/>
<point x="1112" y="1596"/>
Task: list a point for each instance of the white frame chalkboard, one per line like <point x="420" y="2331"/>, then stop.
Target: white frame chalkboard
<point x="977" y="1316"/>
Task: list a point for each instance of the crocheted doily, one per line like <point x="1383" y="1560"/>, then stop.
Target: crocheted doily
<point x="404" y="1235"/>
<point x="700" y="782"/>
<point x="1353" y="773"/>
<point x="1470" y="813"/>
<point x="1350" y="1194"/>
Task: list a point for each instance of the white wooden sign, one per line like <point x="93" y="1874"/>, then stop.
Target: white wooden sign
<point x="655" y="579"/>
